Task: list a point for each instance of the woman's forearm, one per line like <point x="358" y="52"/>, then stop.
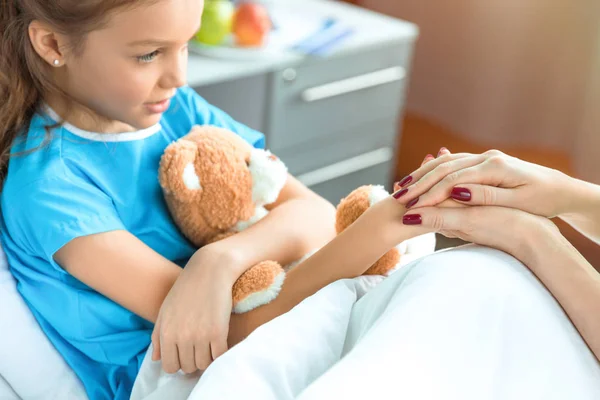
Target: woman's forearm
<point x="583" y="209"/>
<point x="573" y="282"/>
<point x="348" y="255"/>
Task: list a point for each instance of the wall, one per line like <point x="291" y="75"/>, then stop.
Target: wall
<point x="587" y="155"/>
<point x="503" y="71"/>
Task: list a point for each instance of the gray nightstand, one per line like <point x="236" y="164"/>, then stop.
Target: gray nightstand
<point x="333" y="120"/>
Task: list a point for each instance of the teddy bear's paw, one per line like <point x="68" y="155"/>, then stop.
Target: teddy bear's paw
<point x="259" y="285"/>
<point x="385" y="264"/>
<point x="356" y="203"/>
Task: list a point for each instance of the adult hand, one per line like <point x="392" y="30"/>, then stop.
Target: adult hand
<point x="492" y="178"/>
<point x="193" y="324"/>
<point x="487" y="226"/>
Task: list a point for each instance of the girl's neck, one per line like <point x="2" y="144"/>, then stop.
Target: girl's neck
<point x="84" y="118"/>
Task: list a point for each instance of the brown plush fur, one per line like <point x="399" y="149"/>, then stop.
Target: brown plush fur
<point x="256" y="279"/>
<point x="219" y="158"/>
<point x="206" y="215"/>
<point x="348" y="211"/>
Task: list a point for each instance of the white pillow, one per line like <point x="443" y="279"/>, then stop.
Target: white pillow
<point x="29" y="363"/>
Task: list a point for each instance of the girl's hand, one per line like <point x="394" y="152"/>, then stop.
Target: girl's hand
<point x="492" y="179"/>
<point x="193" y="324"/>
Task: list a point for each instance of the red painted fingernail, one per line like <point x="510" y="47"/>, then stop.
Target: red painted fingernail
<point x="414" y="219"/>
<point x="401" y="193"/>
<point x="440" y="152"/>
<point x="412" y="202"/>
<point x="461" y="194"/>
<point x="405" y="181"/>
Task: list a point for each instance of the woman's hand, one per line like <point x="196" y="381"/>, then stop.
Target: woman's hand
<point x="513" y="231"/>
<point x="493" y="179"/>
<point x="193" y="323"/>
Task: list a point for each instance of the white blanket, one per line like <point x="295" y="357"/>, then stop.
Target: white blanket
<point x="468" y="323"/>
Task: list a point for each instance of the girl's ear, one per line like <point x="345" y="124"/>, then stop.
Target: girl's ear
<point x="177" y="171"/>
<point x="47" y="43"/>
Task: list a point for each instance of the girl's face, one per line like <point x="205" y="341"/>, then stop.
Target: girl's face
<point x="128" y="71"/>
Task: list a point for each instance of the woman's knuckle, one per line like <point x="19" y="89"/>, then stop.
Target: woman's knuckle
<point x="444" y="169"/>
<point x="437" y="222"/>
<point x="451" y="178"/>
<point x="493" y="153"/>
<point x="498" y="161"/>
<point x="489" y="196"/>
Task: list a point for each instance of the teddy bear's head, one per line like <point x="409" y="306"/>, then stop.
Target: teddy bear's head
<point x="214" y="182"/>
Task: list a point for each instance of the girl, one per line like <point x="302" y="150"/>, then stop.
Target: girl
<point x="93" y="93"/>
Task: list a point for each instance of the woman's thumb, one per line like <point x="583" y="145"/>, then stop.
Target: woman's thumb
<point x="436" y="219"/>
<point x="482" y="195"/>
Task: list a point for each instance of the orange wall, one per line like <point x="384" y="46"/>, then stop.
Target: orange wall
<point x="587" y="154"/>
<point x="514" y="72"/>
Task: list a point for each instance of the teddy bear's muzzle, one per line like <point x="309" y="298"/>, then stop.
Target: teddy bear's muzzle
<point x="269" y="175"/>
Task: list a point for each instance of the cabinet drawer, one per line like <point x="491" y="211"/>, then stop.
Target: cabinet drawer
<point x="326" y="97"/>
<point x="336" y="189"/>
<point x="332" y="149"/>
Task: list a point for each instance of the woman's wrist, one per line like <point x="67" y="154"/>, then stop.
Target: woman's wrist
<point x="539" y="238"/>
<point x="581" y="198"/>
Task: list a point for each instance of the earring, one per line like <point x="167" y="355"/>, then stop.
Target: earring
<point x="56" y="63"/>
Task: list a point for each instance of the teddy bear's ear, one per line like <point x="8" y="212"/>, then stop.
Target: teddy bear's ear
<point x="177" y="173"/>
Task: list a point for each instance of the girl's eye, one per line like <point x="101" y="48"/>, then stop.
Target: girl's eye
<point x="146" y="58"/>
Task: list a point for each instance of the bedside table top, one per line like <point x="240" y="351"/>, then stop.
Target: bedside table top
<point x="370" y="30"/>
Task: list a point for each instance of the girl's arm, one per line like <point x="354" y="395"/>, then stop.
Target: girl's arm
<point x="569" y="277"/>
<point x="122" y="268"/>
<point x="583" y="210"/>
<point x="348" y="255"/>
<point x="300" y="221"/>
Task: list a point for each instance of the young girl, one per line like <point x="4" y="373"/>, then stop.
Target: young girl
<point x="93" y="92"/>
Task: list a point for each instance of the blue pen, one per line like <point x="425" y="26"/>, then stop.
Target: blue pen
<point x="306" y="42"/>
<point x="335" y="40"/>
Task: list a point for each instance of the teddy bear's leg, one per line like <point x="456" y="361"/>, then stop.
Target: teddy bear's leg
<point x="257" y="286"/>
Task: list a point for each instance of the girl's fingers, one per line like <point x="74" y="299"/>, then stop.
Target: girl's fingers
<point x="218" y="348"/>
<point x="187" y="358"/>
<point x="443" y="151"/>
<point x="430" y="166"/>
<point x="170" y="356"/>
<point x="156" y="341"/>
<point x="428" y="158"/>
<point x="202" y="354"/>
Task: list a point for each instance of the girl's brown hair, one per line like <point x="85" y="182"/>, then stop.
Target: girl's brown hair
<point x="25" y="78"/>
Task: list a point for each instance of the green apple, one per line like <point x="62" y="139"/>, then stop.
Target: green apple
<point x="217" y="21"/>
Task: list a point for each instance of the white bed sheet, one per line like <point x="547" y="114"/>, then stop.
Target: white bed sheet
<point x="467" y="323"/>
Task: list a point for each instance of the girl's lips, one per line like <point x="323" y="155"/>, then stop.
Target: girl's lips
<point x="158" y="107"/>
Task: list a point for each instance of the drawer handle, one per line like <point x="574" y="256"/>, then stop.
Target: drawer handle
<point x="347" y="167"/>
<point x="354" y="84"/>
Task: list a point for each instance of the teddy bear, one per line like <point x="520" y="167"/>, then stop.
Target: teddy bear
<point x="215" y="185"/>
